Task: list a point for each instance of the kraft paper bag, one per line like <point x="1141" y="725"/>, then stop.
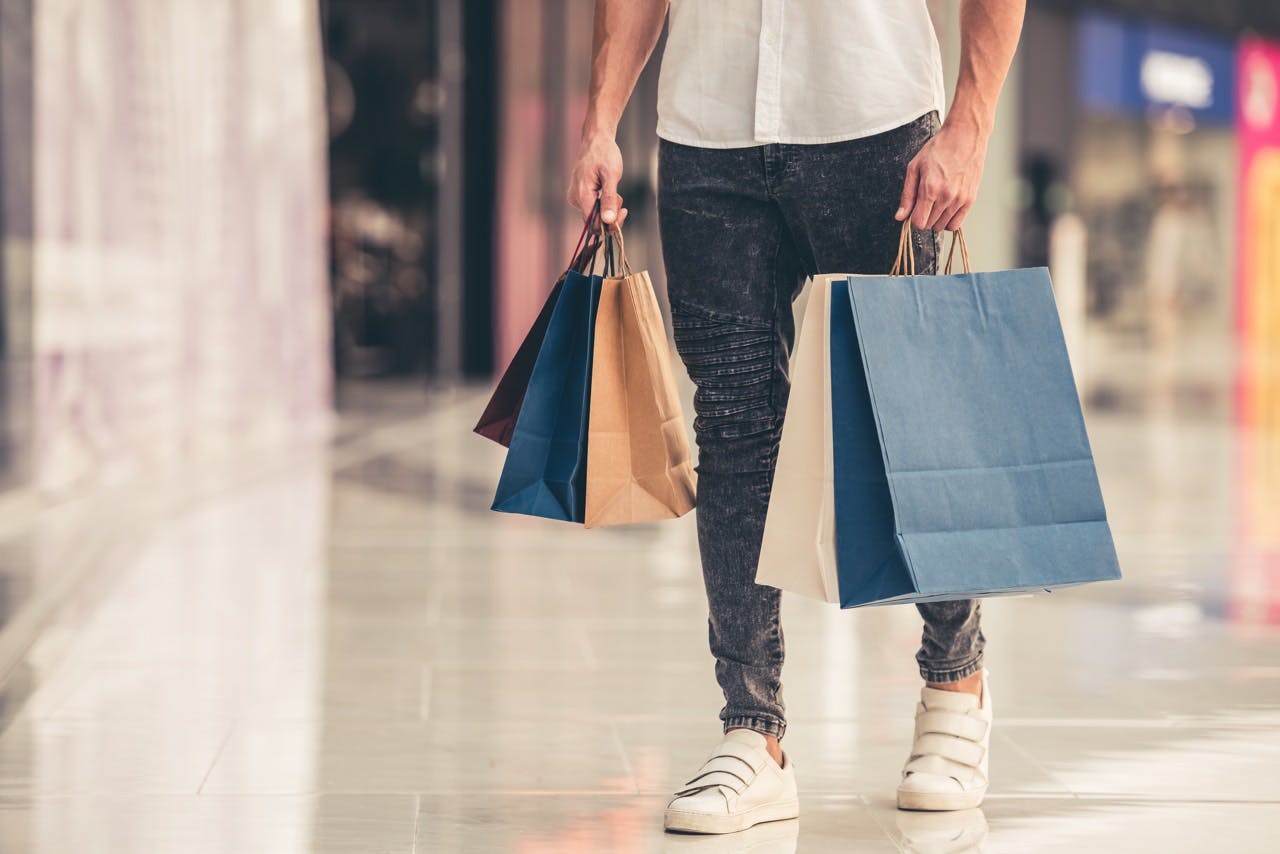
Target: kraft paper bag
<point x="498" y="421"/>
<point x="639" y="466"/>
<point x="545" y="471"/>
<point x="962" y="464"/>
<point x="798" y="550"/>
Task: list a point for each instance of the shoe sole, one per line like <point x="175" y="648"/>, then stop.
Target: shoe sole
<point x="695" y="822"/>
<point x="939" y="801"/>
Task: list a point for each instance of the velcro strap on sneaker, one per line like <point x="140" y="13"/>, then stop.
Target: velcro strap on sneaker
<point x="728" y="765"/>
<point x="951" y="723"/>
<point x="754" y="758"/>
<point x="943" y="767"/>
<point x="949" y="747"/>
<point x="708" y="779"/>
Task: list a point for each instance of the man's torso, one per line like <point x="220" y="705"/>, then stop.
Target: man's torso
<point x="748" y="72"/>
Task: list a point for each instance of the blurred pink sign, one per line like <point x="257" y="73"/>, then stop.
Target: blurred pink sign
<point x="1255" y="581"/>
<point x="1258" y="121"/>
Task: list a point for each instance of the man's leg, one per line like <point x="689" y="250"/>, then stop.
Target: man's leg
<point x="839" y="200"/>
<point x="731" y="274"/>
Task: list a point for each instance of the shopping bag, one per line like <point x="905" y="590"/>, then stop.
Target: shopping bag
<point x="498" y="420"/>
<point x="545" y="472"/>
<point x="962" y="464"/>
<point x="638" y="461"/>
<point x="798" y="549"/>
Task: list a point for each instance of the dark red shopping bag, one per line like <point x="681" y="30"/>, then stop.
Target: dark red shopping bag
<point x="499" y="418"/>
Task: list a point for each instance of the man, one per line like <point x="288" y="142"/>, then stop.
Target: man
<point x="795" y="137"/>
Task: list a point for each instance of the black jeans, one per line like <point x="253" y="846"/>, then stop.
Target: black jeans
<point x="741" y="228"/>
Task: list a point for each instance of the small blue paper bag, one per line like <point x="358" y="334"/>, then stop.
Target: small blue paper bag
<point x="545" y="473"/>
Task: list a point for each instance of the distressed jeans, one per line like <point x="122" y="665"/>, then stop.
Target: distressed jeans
<point x="741" y="228"/>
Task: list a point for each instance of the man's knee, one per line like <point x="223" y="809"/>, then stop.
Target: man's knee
<point x="731" y="363"/>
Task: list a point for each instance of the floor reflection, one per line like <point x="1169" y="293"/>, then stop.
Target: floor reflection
<point x="960" y="832"/>
<point x="346" y="651"/>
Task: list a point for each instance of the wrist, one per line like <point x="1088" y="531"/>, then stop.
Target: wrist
<point x="971" y="119"/>
<point x="598" y="129"/>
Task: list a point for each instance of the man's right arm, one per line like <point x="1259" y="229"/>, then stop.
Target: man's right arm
<point x="624" y="36"/>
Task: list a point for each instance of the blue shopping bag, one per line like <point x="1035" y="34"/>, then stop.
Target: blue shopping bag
<point x="545" y="473"/>
<point x="962" y="466"/>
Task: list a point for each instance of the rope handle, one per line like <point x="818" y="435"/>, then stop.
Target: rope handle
<point x="612" y="247"/>
<point x="598" y="235"/>
<point x="957" y="236"/>
<point x="584" y="252"/>
<point x="904" y="263"/>
<point x="604" y="248"/>
<point x="616" y="251"/>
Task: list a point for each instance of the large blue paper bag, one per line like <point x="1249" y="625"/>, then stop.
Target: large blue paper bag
<point x="961" y="462"/>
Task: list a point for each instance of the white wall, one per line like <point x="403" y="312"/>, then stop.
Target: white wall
<point x="180" y="289"/>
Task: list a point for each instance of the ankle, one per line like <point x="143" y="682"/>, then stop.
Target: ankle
<point x="969" y="685"/>
<point x="774" y="749"/>
<point x="771" y="745"/>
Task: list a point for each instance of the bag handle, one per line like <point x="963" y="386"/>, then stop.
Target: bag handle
<point x="616" y="251"/>
<point x="957" y="236"/>
<point x="584" y="252"/>
<point x="609" y="243"/>
<point x="904" y="263"/>
<point x="601" y="246"/>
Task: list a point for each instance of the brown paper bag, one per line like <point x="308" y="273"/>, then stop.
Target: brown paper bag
<point x="638" y="460"/>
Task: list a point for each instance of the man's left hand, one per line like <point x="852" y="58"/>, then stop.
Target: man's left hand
<point x="942" y="179"/>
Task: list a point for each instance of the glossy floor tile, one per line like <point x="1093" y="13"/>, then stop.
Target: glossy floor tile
<point x="343" y="650"/>
<point x="325" y="824"/>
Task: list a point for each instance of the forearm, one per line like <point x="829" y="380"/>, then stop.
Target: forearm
<point x="942" y="179"/>
<point x="624" y="35"/>
<point x="989" y="31"/>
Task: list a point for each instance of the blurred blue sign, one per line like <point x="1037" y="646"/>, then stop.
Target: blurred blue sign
<point x="1128" y="67"/>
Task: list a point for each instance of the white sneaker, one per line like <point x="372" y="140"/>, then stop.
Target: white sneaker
<point x="947" y="769"/>
<point x="770" y="837"/>
<point x="739" y="786"/>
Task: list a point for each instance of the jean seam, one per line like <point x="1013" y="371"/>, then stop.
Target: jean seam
<point x="778" y="651"/>
<point x="772" y="460"/>
<point x="692" y="310"/>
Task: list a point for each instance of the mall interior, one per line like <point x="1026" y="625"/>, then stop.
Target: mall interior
<point x="262" y="263"/>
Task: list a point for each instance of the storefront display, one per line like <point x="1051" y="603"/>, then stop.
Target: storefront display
<point x="1154" y="184"/>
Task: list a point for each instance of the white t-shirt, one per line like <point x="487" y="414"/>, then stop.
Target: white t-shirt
<point x="748" y="72"/>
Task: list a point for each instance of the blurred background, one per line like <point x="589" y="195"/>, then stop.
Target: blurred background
<point x="375" y="190"/>
<point x="260" y="263"/>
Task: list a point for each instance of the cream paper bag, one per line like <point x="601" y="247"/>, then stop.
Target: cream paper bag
<point x="798" y="550"/>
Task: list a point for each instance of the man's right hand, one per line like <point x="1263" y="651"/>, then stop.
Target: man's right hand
<point x="596" y="175"/>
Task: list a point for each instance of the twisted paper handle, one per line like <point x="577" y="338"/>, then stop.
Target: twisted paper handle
<point x="904" y="264"/>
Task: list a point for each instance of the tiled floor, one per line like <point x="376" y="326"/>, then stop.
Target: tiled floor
<point x="346" y="651"/>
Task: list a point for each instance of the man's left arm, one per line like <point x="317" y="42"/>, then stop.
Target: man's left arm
<point x="942" y="179"/>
